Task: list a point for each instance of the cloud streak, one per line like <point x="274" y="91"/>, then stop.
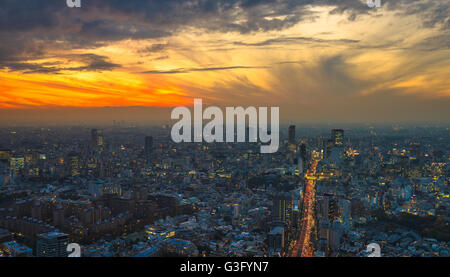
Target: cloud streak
<point x="189" y="70"/>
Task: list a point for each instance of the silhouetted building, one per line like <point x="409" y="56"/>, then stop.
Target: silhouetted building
<point x="276" y="240"/>
<point x="148" y="146"/>
<point x="291" y="137"/>
<point x="414" y="150"/>
<point x="94" y="137"/>
<point x="303" y="153"/>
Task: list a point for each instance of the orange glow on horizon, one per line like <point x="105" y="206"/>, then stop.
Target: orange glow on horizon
<point x="28" y="91"/>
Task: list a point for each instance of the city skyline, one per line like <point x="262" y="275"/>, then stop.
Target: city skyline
<point x="327" y="192"/>
<point x="319" y="61"/>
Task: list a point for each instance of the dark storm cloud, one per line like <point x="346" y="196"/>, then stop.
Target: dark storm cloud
<point x="433" y="13"/>
<point x="92" y="63"/>
<point x="118" y="19"/>
<point x="111" y="30"/>
<point x="31" y="29"/>
<point x="26" y="15"/>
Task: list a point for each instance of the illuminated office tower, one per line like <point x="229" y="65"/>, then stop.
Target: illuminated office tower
<point x="16" y="164"/>
<point x="328" y="207"/>
<point x="110" y="189"/>
<point x="337" y="135"/>
<point x="282" y="208"/>
<point x="53" y="244"/>
<point x="333" y="209"/>
<point x="73" y="164"/>
<point x="236" y="210"/>
<point x="100" y="141"/>
<point x="5" y="155"/>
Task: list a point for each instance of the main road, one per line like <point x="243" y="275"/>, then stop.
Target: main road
<point x="303" y="246"/>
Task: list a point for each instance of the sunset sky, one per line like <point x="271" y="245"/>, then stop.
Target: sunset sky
<point x="319" y="61"/>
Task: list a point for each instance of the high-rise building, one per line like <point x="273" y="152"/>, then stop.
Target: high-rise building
<point x="414" y="149"/>
<point x="58" y="216"/>
<point x="328" y="207"/>
<point x="73" y="164"/>
<point x="16" y="164"/>
<point x="345" y="206"/>
<point x="303" y="153"/>
<point x="5" y="155"/>
<point x="300" y="165"/>
<point x="335" y="235"/>
<point x="276" y="240"/>
<point x="333" y="209"/>
<point x="282" y="208"/>
<point x="236" y="210"/>
<point x="94" y="137"/>
<point x="291" y="136"/>
<point x="337" y="136"/>
<point x="53" y="244"/>
<point x="100" y="141"/>
<point x="148" y="146"/>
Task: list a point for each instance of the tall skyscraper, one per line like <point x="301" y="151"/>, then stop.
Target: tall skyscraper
<point x="414" y="149"/>
<point x="335" y="235"/>
<point x="148" y="146"/>
<point x="291" y="137"/>
<point x="236" y="210"/>
<point x="345" y="206"/>
<point x="337" y="136"/>
<point x="282" y="207"/>
<point x="53" y="244"/>
<point x="73" y="164"/>
<point x="100" y="141"/>
<point x="94" y="137"/>
<point x="303" y="153"/>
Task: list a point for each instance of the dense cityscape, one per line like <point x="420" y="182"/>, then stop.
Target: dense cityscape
<point x="129" y="191"/>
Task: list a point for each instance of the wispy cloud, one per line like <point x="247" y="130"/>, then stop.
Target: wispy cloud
<point x="189" y="70"/>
